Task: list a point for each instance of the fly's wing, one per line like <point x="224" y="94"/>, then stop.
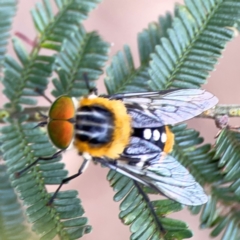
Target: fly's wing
<point x="162" y="172"/>
<point x="140" y="152"/>
<point x="154" y="109"/>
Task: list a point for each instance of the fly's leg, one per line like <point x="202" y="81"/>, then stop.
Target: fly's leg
<point x="55" y="155"/>
<point x="92" y="90"/>
<point x="84" y="165"/>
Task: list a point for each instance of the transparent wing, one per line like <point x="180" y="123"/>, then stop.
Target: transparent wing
<point x="169" y="178"/>
<point x="146" y="163"/>
<point x="140" y="152"/>
<point x="154" y="109"/>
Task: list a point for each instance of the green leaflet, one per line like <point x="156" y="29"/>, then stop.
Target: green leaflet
<point x="122" y="76"/>
<point x="20" y="81"/>
<point x="176" y="52"/>
<point x="54" y="29"/>
<point x="193" y="44"/>
<point x="81" y="53"/>
<point x="135" y="212"/>
<point x="7" y="12"/>
<point x="12" y="221"/>
<point x="31" y="185"/>
<point x="182" y="57"/>
<point x="23" y="143"/>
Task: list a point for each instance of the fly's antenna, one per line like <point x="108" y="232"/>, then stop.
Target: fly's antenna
<point x="41" y="93"/>
<point x="92" y="90"/>
<point x="42" y="115"/>
<point x="41" y="124"/>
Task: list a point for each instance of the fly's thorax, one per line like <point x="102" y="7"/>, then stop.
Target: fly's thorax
<point x="103" y="127"/>
<point x="94" y="124"/>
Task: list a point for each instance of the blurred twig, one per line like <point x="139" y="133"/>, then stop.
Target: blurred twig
<point x="232" y="110"/>
<point x="32" y="112"/>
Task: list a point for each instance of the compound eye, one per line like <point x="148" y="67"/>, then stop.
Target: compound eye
<point x="61" y="133"/>
<point x="63" y="108"/>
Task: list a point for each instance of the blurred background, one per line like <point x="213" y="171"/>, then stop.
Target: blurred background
<point x="119" y="22"/>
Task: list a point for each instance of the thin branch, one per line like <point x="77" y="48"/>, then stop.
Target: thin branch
<point x="232" y="110"/>
<point x="34" y="114"/>
<point x="25" y="39"/>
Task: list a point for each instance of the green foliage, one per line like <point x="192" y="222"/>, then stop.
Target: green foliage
<point x="136" y="212"/>
<point x="122" y="76"/>
<point x="75" y="59"/>
<point x="183" y="57"/>
<point x="193" y="44"/>
<point x="12" y="225"/>
<point x="221" y="212"/>
<point x="177" y="51"/>
<point x="22" y="144"/>
<point x="227" y="189"/>
<point x="198" y="159"/>
<point x="54" y="29"/>
<point x="7" y="12"/>
<point x="22" y="79"/>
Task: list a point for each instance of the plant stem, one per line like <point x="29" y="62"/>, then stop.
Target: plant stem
<point x="231" y="110"/>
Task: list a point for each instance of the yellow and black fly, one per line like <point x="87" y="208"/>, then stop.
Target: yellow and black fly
<point x="129" y="133"/>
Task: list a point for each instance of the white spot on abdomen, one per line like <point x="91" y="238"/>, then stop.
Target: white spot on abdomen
<point x="147" y="133"/>
<point x="164" y="137"/>
<point x="156" y="135"/>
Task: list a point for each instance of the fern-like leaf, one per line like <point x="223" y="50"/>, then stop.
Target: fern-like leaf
<point x="198" y="35"/>
<point x="122" y="76"/>
<point x="22" y="145"/>
<point x="197" y="159"/>
<point x="227" y="149"/>
<point x="54" y="29"/>
<point x="81" y="53"/>
<point x="22" y="79"/>
<point x="226" y="189"/>
<point x="7" y="12"/>
<point x="183" y="58"/>
<point x="214" y="216"/>
<point x="221" y="212"/>
<point x="12" y="220"/>
<point x="135" y="211"/>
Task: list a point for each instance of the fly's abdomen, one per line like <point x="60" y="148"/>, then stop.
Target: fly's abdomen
<point x="94" y="125"/>
<point x="162" y="137"/>
<point x="156" y="136"/>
